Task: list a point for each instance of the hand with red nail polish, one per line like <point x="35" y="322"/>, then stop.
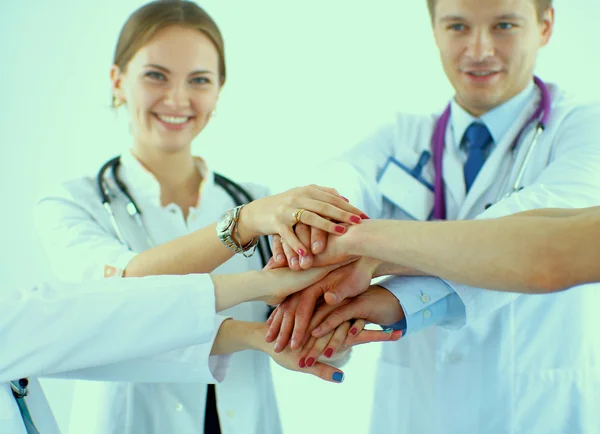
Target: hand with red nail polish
<point x="295" y="314"/>
<point x="315" y="206"/>
<point x="376" y="305"/>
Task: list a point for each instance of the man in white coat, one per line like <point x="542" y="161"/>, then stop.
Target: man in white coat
<point x="473" y="360"/>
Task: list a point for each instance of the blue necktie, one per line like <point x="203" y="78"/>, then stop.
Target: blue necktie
<point x="478" y="139"/>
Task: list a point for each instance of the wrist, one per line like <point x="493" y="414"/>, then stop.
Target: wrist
<point x="371" y="265"/>
<point x="245" y="224"/>
<point x="255" y="337"/>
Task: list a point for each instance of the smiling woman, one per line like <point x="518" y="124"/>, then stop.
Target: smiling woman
<point x="170" y="105"/>
<point x="168" y="71"/>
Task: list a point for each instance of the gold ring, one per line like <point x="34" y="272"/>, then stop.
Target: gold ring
<point x="298" y="214"/>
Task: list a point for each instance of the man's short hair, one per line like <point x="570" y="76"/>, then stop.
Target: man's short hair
<point x="541" y="6"/>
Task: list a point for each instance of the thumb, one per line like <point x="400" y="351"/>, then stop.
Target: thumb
<point x="345" y="289"/>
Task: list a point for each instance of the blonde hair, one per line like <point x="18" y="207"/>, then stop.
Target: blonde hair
<point x="143" y="24"/>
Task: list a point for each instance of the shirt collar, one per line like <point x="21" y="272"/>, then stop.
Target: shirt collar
<point x="498" y="120"/>
<point x="143" y="184"/>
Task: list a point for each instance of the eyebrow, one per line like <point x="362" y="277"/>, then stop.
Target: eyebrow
<point x="162" y="68"/>
<point x="509" y="16"/>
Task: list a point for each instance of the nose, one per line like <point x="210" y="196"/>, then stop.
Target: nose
<point x="480" y="46"/>
<point x="177" y="96"/>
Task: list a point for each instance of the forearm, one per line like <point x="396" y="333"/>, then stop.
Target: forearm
<point x="514" y="254"/>
<point x="233" y="289"/>
<point x="555" y="212"/>
<point x="234" y="336"/>
<point x="198" y="252"/>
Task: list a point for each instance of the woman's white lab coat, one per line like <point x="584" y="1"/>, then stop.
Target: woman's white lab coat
<point x="520" y="364"/>
<point x="85" y="331"/>
<point x="82" y="245"/>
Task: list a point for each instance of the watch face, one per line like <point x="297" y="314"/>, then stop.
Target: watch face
<point x="225" y="222"/>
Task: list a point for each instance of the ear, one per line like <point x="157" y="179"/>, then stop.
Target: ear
<point x="116" y="77"/>
<point x="546" y="26"/>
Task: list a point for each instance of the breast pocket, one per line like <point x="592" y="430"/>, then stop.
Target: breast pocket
<point x="406" y="188"/>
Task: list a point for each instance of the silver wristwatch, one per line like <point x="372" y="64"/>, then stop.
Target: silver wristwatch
<point x="227" y="231"/>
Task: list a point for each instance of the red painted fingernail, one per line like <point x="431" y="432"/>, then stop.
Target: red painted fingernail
<point x="345" y="198"/>
<point x="329" y="352"/>
<point x="340" y="229"/>
<point x="310" y="362"/>
<point x="301" y="252"/>
<point x="353" y="331"/>
<point x="355" y="219"/>
<point x="364" y="217"/>
<point x="301" y="363"/>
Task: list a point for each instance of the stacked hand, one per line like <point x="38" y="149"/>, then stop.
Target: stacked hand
<point x="329" y="316"/>
<point x="321" y="208"/>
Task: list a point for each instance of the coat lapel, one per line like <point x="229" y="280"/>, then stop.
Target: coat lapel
<point x="496" y="170"/>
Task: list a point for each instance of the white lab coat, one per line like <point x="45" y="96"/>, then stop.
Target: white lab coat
<point x="521" y="364"/>
<point x="80" y="241"/>
<point x="42" y="334"/>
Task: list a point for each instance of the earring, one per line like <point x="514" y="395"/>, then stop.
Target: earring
<point x="118" y="102"/>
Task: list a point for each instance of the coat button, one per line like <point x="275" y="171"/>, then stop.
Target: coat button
<point x="425" y="298"/>
<point x="179" y="406"/>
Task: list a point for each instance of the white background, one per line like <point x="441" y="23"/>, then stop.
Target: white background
<point x="306" y="80"/>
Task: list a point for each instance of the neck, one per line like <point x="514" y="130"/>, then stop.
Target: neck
<point x="173" y="170"/>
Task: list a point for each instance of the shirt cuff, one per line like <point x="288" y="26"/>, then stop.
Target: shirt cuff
<point x="425" y="301"/>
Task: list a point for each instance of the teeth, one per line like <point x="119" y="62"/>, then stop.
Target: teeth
<point x="177" y="120"/>
<point x="481" y="73"/>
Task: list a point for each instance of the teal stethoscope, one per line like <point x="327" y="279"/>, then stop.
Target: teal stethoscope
<point x="19" y="390"/>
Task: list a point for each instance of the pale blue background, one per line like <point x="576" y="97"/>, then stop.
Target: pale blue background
<point x="306" y="80"/>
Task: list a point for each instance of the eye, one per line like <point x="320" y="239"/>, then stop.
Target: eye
<point x="154" y="75"/>
<point x="505" y="26"/>
<point x="200" y="80"/>
<point x="456" y="27"/>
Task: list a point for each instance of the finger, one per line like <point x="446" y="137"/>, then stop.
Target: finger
<point x="307" y="300"/>
<point x="318" y="317"/>
<point x="309" y="344"/>
<point x="336" y="318"/>
<point x="346" y="289"/>
<point x="337" y="340"/>
<point x="318" y="240"/>
<point x="357" y="327"/>
<point x="277" y="248"/>
<point x="303" y="233"/>
<point x="325" y="372"/>
<point x="318" y="221"/>
<point x="270" y="319"/>
<point x="287" y="324"/>
<point x="290" y="254"/>
<point x="368" y="336"/>
<point x="274" y="326"/>
<point x="333" y="198"/>
<point x="317" y="348"/>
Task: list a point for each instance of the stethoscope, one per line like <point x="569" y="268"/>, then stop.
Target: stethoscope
<point x="238" y="194"/>
<point x="438" y="144"/>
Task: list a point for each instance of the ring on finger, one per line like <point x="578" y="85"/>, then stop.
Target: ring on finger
<point x="298" y="214"/>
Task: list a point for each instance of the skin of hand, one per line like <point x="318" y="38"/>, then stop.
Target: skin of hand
<point x="234" y="336"/>
<point x="289" y="359"/>
<point x="376" y="305"/>
<point x="337" y="343"/>
<point x="325" y="248"/>
<point x="292" y="317"/>
<point x="275" y="214"/>
<point x="271" y="286"/>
